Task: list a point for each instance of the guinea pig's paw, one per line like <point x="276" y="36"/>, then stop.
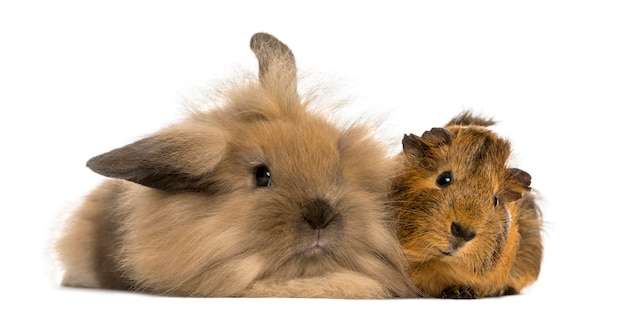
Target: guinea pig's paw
<point x="458" y="293"/>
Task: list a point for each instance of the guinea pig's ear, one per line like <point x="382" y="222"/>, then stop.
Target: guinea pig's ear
<point x="173" y="160"/>
<point x="517" y="182"/>
<point x="277" y="66"/>
<point x="413" y="147"/>
<point x="416" y="147"/>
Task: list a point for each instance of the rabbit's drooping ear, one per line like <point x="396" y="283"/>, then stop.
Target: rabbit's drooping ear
<point x="277" y="66"/>
<point x="173" y="160"/>
<point x="517" y="182"/>
<point x="416" y="147"/>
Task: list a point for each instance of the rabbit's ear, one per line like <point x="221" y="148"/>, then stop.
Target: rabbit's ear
<point x="277" y="66"/>
<point x="173" y="160"/>
<point x="517" y="182"/>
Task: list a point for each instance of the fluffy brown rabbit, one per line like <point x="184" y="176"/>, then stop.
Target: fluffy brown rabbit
<point x="259" y="197"/>
<point x="469" y="224"/>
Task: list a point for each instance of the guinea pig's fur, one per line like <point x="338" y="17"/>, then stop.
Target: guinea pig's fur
<point x="469" y="224"/>
<point x="259" y="197"/>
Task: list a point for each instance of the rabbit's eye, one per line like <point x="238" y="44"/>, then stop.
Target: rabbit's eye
<point x="496" y="202"/>
<point x="444" y="179"/>
<point x="262" y="176"/>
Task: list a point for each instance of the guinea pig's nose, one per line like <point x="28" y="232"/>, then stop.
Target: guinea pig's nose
<point x="458" y="230"/>
<point x="318" y="213"/>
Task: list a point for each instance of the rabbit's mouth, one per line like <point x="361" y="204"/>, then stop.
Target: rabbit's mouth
<point x="318" y="245"/>
<point x="321" y="226"/>
<point x="320" y="238"/>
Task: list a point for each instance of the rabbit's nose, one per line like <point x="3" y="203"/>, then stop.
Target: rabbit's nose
<point x="318" y="213"/>
<point x="458" y="230"/>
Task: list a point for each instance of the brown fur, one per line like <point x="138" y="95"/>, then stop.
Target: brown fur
<point x="459" y="245"/>
<point x="185" y="215"/>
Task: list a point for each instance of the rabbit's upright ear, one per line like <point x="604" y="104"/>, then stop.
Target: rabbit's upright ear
<point x="277" y="66"/>
<point x="176" y="160"/>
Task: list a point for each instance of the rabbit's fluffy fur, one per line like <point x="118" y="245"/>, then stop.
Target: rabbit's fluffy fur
<point x="469" y="224"/>
<point x="258" y="197"/>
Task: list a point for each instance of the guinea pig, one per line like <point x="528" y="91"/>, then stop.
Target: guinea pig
<point x="469" y="223"/>
<point x="258" y="196"/>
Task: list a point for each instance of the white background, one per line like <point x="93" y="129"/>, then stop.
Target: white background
<point x="78" y="78"/>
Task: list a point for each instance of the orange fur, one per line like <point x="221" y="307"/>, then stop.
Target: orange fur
<point x="476" y="235"/>
<point x="259" y="197"/>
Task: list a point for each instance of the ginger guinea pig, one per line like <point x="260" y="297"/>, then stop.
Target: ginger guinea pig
<point x="257" y="196"/>
<point x="468" y="222"/>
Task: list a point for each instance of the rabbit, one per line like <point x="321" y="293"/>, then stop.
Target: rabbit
<point x="469" y="224"/>
<point x="259" y="196"/>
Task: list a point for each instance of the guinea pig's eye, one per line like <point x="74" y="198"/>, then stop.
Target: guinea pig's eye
<point x="496" y="202"/>
<point x="444" y="179"/>
<point x="262" y="176"/>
